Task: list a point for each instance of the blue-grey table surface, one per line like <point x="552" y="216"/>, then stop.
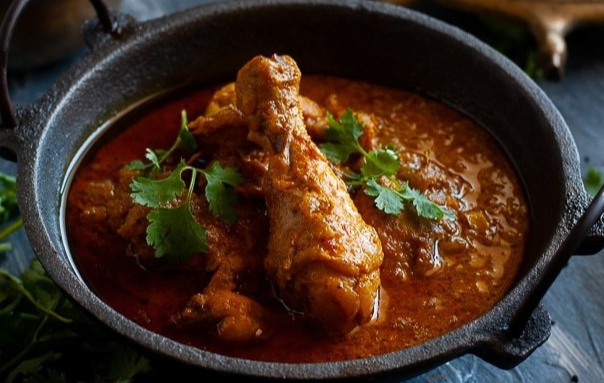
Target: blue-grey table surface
<point x="575" y="350"/>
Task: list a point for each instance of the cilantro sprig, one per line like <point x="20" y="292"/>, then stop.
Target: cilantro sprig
<point x="155" y="157"/>
<point x="593" y="181"/>
<point x="9" y="210"/>
<point x="391" y="195"/>
<point x="44" y="337"/>
<point x="173" y="231"/>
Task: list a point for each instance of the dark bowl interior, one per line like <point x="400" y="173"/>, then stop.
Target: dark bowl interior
<point x="356" y="39"/>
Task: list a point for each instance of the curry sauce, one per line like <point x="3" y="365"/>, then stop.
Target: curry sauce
<point x="436" y="275"/>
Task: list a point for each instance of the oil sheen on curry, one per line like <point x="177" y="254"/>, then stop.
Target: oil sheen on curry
<point x="298" y="219"/>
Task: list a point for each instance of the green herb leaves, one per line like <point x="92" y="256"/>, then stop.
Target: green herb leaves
<point x="8" y="197"/>
<point x="380" y="162"/>
<point x="390" y="200"/>
<point x="220" y="197"/>
<point x="45" y="338"/>
<point x="184" y="140"/>
<point x="386" y="199"/>
<point x="173" y="231"/>
<point x="9" y="210"/>
<point x="343" y="141"/>
<point x="593" y="181"/>
<point x="154" y="193"/>
<point x="343" y="137"/>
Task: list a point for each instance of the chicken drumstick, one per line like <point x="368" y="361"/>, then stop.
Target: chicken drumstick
<point x="323" y="258"/>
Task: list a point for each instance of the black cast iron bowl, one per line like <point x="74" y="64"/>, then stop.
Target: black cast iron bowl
<point x="357" y="39"/>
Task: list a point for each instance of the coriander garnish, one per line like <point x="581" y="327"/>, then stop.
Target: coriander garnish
<point x="343" y="137"/>
<point x="173" y="230"/>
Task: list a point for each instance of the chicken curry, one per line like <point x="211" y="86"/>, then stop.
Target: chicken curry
<point x="298" y="219"/>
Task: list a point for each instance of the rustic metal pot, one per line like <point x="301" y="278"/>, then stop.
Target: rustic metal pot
<point x="357" y="39"/>
<point x="48" y="31"/>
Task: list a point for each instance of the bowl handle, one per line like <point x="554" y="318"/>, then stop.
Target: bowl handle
<point x="505" y="350"/>
<point x="573" y="242"/>
<point x="7" y="110"/>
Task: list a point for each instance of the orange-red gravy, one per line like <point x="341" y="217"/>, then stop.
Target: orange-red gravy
<point x="437" y="275"/>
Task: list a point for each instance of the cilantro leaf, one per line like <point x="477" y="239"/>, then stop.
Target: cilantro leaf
<point x="153" y="157"/>
<point x="9" y="209"/>
<point x="228" y="175"/>
<point x="32" y="367"/>
<point x="424" y="207"/>
<point x="222" y="200"/>
<point x="175" y="233"/>
<point x="184" y="135"/>
<point x="45" y="303"/>
<point x="344" y="136"/>
<point x="386" y="199"/>
<point x="390" y="200"/>
<point x="135" y="165"/>
<point x="593" y="181"/>
<point x="350" y="123"/>
<point x="154" y="193"/>
<point x="334" y="152"/>
<point x="381" y="162"/>
<point x="122" y="365"/>
<point x="184" y="140"/>
<point x="8" y="197"/>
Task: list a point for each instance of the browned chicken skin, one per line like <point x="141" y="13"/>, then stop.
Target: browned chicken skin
<point x="221" y="112"/>
<point x="439" y="273"/>
<point x="323" y="258"/>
